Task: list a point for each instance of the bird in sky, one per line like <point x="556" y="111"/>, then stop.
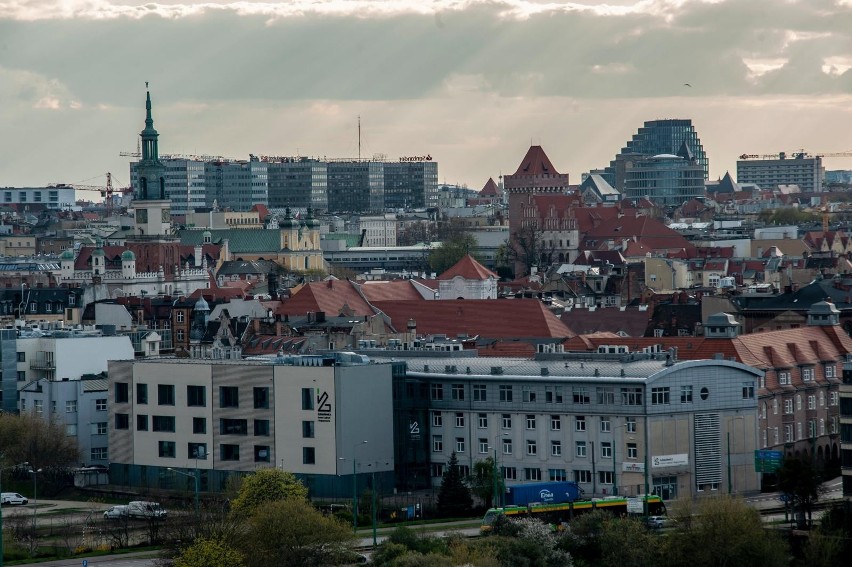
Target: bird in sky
<point x="687" y="85"/>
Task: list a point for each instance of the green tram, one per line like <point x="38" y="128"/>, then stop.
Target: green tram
<point x="557" y="514"/>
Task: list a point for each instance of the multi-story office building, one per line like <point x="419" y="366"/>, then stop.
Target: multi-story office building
<point x="236" y="185"/>
<point x="667" y="180"/>
<point x="320" y="417"/>
<point x="411" y="184"/>
<point x="356" y="186"/>
<point x="611" y="422"/>
<point x="185" y="185"/>
<point x="298" y="183"/>
<point x="667" y="136"/>
<point x="52" y="197"/>
<point x="800" y="169"/>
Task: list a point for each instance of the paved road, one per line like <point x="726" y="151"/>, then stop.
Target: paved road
<point x="144" y="559"/>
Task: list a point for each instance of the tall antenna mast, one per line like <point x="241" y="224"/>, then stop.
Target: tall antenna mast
<point x="359" y="137"/>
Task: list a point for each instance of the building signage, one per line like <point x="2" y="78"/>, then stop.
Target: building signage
<point x="663" y="461"/>
<point x="633" y="467"/>
<point x="634" y="506"/>
<point x="767" y="461"/>
<point x="323" y="407"/>
<point x="427" y="157"/>
<point x="545" y="495"/>
<point x="414" y="429"/>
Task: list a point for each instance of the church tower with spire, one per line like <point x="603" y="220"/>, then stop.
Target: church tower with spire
<point x="151" y="206"/>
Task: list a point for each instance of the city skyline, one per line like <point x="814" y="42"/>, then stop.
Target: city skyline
<point x="471" y="83"/>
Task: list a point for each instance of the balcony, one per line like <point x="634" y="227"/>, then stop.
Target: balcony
<point x="43" y="362"/>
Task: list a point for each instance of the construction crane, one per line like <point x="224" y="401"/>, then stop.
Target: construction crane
<point x="106" y="191"/>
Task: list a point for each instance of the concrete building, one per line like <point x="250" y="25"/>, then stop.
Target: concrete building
<point x="356" y="186"/>
<point x="411" y="184"/>
<point x="378" y="230"/>
<point x="297" y="182"/>
<point x="611" y="422"/>
<point x="304" y="414"/>
<point x="768" y="172"/>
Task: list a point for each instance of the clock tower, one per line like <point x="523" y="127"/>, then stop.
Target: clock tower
<point x="151" y="206"/>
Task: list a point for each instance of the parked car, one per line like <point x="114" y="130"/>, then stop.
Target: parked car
<point x="13" y="498"/>
<point x="658" y="522"/>
<point x="146" y="510"/>
<point x="117" y="512"/>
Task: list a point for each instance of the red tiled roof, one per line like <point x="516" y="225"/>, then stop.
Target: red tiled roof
<point x="389" y="290"/>
<point x="262" y="211"/>
<point x="488" y="318"/>
<point x="536" y="162"/>
<point x="469" y="269"/>
<point x="490" y="189"/>
<point x="218" y="293"/>
<point x="328" y="296"/>
<point x="608" y="320"/>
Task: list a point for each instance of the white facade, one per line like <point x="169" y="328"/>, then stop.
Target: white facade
<point x="381" y="230"/>
<point x="461" y="288"/>
<point x="55" y="197"/>
<point x="69" y="357"/>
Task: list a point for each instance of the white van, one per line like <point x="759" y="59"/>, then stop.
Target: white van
<point x="147" y="510"/>
<point x="13" y="498"/>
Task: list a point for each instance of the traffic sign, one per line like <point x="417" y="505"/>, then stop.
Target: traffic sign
<point x="767" y="461"/>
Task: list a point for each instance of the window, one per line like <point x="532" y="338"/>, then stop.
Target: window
<point x="631" y="396"/>
<point x="605" y="477"/>
<point x="582" y="476"/>
<point x="199" y="425"/>
<point x="229" y="452"/>
<point x="479" y="393"/>
<point x="233" y="426"/>
<point x="122" y="421"/>
<point x="437" y="392"/>
<point x="101" y="404"/>
<point x="788" y="406"/>
<point x="605" y="395"/>
<point x="556" y="448"/>
<point x="196" y="396"/>
<point x="167" y="449"/>
<point x="555" y="423"/>
<point x="437" y="470"/>
<point x="829" y="371"/>
<point x="307" y="429"/>
<point x="505" y="393"/>
<point x="811" y="402"/>
<point x="163" y="423"/>
<point x="459" y="420"/>
<point x="581" y="396"/>
<point x="482" y="421"/>
<point x="71" y="406"/>
<point x="22" y="376"/>
<point x="229" y="397"/>
<point x="686" y="394"/>
<point x="262" y="454"/>
<point x="630" y="422"/>
<point x="606" y="450"/>
<point x="748" y="390"/>
<point x="179" y="316"/>
<point x="799" y="402"/>
<point x="196" y="450"/>
<point x="807" y="374"/>
<point x="437" y="419"/>
<point x="532" y="448"/>
<point x="580" y="423"/>
<point x="580" y="447"/>
<point x="307" y="399"/>
<point x="483" y="445"/>
<point x="632" y="451"/>
<point x="788" y="433"/>
<point x="507" y="421"/>
<point x="38" y="406"/>
<point x="507" y="446"/>
<point x="510" y="473"/>
<point x="99" y="454"/>
<point x="457" y="392"/>
<point x="437" y="443"/>
<point x="553" y="394"/>
<point x="142" y="394"/>
<point x="833" y="398"/>
<point x="261" y="398"/>
<point x="459" y="444"/>
<point x="165" y="394"/>
<point x="529" y="395"/>
<point x="659" y="396"/>
<point x="557" y="475"/>
<point x="784" y="378"/>
<point x="179" y="335"/>
<point x="141" y="422"/>
<point x="530" y="422"/>
<point x="122" y="392"/>
<point x="22" y="357"/>
<point x="532" y="474"/>
<point x="261" y="427"/>
<point x="606" y="425"/>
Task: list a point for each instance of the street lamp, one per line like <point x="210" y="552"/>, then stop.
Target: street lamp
<point x="354" y="486"/>
<point x="1" y="507"/>
<point x="195" y="477"/>
<point x="35" y="496"/>
<point x="730" y="479"/>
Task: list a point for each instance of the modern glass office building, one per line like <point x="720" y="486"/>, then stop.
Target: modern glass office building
<point x="411" y="184"/>
<point x="298" y="182"/>
<point x="356" y="186"/>
<point x="667" y="180"/>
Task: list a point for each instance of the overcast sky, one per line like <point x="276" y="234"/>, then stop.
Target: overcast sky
<point x="470" y="82"/>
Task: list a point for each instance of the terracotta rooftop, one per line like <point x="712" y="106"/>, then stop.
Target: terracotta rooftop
<point x="490" y="189"/>
<point x="331" y="297"/>
<point x="469" y="269"/>
<point x="536" y="162"/>
<point x="393" y="290"/>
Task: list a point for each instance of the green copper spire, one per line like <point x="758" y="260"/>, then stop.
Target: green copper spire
<point x="149" y="135"/>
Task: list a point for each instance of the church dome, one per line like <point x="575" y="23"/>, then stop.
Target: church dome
<point x="67" y="255"/>
<point x="98" y="252"/>
<point x="288" y="221"/>
<point x="201" y="304"/>
<point x="128" y="255"/>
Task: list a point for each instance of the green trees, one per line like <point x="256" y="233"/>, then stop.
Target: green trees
<point x="452" y="250"/>
<point x="267" y="485"/>
<point x="800" y="481"/>
<point x="454" y="497"/>
<point x="481" y="481"/>
<point x="209" y="553"/>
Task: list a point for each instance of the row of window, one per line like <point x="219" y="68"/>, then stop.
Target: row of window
<point x="535" y="474"/>
<point x="580" y="395"/>
<point x="196" y="396"/>
<point x="531" y="421"/>
<point x="580" y="447"/>
<point x="815" y="428"/>
<point x="70" y="405"/>
<point x="811" y="400"/>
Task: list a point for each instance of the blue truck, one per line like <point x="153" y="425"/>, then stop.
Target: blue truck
<point x="556" y="492"/>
